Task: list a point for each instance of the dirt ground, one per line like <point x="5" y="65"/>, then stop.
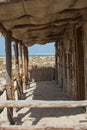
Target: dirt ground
<point x="45" y="117"/>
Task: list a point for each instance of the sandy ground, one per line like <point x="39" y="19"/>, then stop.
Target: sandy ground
<point x="42" y="61"/>
<point x="46" y="117"/>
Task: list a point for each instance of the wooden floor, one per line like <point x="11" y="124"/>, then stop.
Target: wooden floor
<point x="46" y="117"/>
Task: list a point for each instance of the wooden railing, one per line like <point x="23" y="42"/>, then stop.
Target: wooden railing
<point x="42" y="104"/>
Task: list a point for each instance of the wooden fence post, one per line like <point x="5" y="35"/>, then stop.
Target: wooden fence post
<point x="9" y="74"/>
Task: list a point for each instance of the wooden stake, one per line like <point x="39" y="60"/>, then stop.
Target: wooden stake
<point x="9" y="74"/>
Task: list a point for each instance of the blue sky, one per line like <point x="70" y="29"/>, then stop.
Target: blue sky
<point x="47" y="49"/>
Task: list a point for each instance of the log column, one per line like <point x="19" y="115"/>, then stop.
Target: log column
<point x="21" y="66"/>
<point x="20" y="59"/>
<point x="25" y="67"/>
<point x="9" y="74"/>
<point x="56" y="62"/>
<point x="85" y="58"/>
<point x="19" y="86"/>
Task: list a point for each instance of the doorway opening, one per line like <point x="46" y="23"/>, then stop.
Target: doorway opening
<point x="42" y="62"/>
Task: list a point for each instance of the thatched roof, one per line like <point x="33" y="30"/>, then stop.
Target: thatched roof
<point x="39" y="21"/>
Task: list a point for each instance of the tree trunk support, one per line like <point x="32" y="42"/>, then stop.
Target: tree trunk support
<point x="25" y="67"/>
<point x="9" y="75"/>
<point x="21" y="66"/>
<point x="56" y="62"/>
<point x="19" y="86"/>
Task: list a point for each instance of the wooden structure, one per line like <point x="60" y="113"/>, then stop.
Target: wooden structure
<point x="43" y="104"/>
<point x="63" y="22"/>
<point x="44" y="73"/>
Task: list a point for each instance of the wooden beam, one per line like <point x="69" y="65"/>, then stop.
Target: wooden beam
<point x="42" y="104"/>
<point x="9" y="74"/>
<point x="34" y="27"/>
<point x="6" y="1"/>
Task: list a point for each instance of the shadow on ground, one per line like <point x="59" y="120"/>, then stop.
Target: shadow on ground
<point x="46" y="91"/>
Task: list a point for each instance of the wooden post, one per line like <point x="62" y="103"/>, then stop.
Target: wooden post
<point x="21" y="66"/>
<point x="26" y="62"/>
<point x="20" y="58"/>
<point x="85" y="58"/>
<point x="9" y="74"/>
<point x="56" y="65"/>
<point x="23" y="77"/>
<point x="17" y="70"/>
<point x="16" y="58"/>
<point x="25" y="67"/>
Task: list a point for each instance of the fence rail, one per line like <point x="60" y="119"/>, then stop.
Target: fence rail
<point x="42" y="104"/>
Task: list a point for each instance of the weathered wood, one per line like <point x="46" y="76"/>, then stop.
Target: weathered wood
<point x="25" y="67"/>
<point x="26" y="63"/>
<point x="85" y="56"/>
<point x="80" y="63"/>
<point x="42" y="104"/>
<point x="17" y="68"/>
<point x="56" y="63"/>
<point x="20" y="59"/>
<point x="9" y="74"/>
<point x="20" y="66"/>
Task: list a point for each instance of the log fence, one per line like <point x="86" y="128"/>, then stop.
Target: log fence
<point x="42" y="104"/>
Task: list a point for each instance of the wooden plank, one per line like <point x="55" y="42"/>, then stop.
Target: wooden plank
<point x="42" y="104"/>
<point x="9" y="74"/>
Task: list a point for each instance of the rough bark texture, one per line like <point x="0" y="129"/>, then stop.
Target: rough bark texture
<point x="9" y="74"/>
<point x="66" y="62"/>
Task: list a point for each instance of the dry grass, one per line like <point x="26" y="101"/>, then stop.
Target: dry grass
<point x="39" y="61"/>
